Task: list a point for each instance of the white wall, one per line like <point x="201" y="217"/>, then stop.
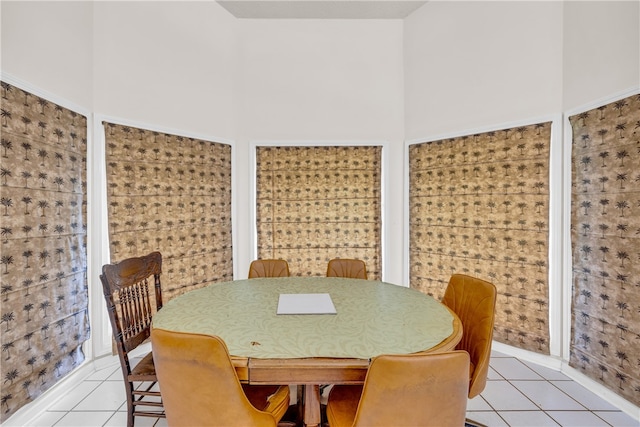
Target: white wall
<point x="475" y="64"/>
<point x="172" y="64"/>
<point x="191" y="66"/>
<point x="49" y="44"/>
<point x="601" y="50"/>
<point x="449" y="67"/>
<point x="478" y="64"/>
<point x="168" y="66"/>
<point x="317" y="81"/>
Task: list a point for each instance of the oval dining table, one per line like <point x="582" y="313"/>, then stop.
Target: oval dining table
<point x="371" y="318"/>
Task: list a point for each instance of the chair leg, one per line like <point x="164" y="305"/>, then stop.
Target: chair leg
<point x="144" y="402"/>
<point x="300" y="403"/>
<point x="471" y="423"/>
<point x="130" y="407"/>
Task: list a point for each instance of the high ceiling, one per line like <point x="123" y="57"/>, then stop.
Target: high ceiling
<point x="321" y="9"/>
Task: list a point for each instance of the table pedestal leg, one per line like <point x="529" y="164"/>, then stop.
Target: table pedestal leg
<point x="312" y="405"/>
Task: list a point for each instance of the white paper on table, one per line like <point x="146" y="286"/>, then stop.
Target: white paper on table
<point x="305" y="304"/>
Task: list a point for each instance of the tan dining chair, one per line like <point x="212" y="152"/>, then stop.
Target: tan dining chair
<point x="474" y="301"/>
<point x="425" y="389"/>
<point x="268" y="268"/>
<point x="348" y="268"/>
<point x="200" y="386"/>
<point x="133" y="295"/>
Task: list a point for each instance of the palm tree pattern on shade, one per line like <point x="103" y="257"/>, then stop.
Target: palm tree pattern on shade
<point x="43" y="279"/>
<point x="479" y="205"/>
<point x="319" y="203"/>
<point x="605" y="227"/>
<point x="171" y="194"/>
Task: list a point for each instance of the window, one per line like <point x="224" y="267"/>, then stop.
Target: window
<point x="319" y="203"/>
<point x="171" y="194"/>
<point x="479" y="205"/>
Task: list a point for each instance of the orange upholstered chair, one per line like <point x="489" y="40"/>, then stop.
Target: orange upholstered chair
<point x="423" y="389"/>
<point x="200" y="386"/>
<point x="268" y="268"/>
<point x="350" y="268"/>
<point x="474" y="301"/>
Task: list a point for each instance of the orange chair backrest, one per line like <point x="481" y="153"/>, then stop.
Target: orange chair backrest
<point x="428" y="389"/>
<point x="268" y="268"/>
<point x="474" y="301"/>
<point x="199" y="384"/>
<point x="349" y="268"/>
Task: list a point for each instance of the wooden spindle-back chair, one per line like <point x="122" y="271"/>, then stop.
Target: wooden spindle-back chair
<point x="133" y="295"/>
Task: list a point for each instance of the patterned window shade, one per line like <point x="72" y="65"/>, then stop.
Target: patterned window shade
<point x="44" y="255"/>
<point x="479" y="206"/>
<point x="171" y="194"/>
<point x="319" y="203"/>
<point x="605" y="227"/>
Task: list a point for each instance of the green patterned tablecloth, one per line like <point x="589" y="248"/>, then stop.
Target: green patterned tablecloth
<point x="372" y="318"/>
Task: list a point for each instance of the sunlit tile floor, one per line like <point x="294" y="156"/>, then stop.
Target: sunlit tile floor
<point x="517" y="394"/>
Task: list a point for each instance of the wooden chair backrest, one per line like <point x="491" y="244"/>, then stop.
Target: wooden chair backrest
<point x="133" y="295"/>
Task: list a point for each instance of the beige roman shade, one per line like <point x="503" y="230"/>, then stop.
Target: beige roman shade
<point x="171" y="194"/>
<point x="605" y="239"/>
<point x="319" y="203"/>
<point x="479" y="205"/>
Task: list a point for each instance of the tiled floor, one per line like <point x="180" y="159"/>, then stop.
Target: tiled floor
<point x="517" y="394"/>
<point x="520" y="393"/>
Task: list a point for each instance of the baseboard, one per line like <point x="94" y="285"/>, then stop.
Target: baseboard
<point x="25" y="415"/>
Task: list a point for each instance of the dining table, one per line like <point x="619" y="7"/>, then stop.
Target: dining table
<point x="327" y="334"/>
